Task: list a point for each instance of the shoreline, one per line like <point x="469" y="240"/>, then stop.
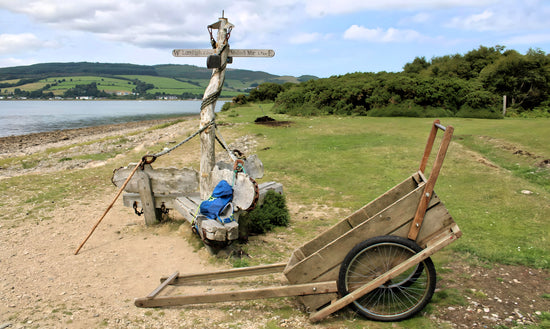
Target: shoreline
<point x="17" y="144"/>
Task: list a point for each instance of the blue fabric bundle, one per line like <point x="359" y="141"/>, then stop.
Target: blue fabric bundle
<point x="218" y="206"/>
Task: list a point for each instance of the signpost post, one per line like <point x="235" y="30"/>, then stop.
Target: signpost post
<point x="217" y="59"/>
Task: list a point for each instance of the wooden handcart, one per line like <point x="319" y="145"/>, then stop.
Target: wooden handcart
<point x="377" y="259"/>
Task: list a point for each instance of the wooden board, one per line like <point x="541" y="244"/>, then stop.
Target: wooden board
<point x="163" y="180"/>
<point x="217" y="297"/>
<point x="356" y="218"/>
<point x="333" y="252"/>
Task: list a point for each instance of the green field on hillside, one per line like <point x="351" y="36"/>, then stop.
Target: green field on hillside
<point x="162" y="85"/>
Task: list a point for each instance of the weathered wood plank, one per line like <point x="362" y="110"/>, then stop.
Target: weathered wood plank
<point x="430" y="184"/>
<point x="359" y="216"/>
<point x="188" y="206"/>
<point x="232" y="52"/>
<point x="163" y="180"/>
<point x="164" y="284"/>
<point x="128" y="200"/>
<point x="228" y="274"/>
<point x="437" y="220"/>
<point x="272" y="292"/>
<point x="333" y="253"/>
<point x="150" y="213"/>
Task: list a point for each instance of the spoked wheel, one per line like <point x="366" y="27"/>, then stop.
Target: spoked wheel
<point x="398" y="298"/>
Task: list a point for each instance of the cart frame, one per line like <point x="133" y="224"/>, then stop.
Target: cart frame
<point x="318" y="287"/>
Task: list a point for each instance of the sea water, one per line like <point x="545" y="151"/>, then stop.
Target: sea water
<point x="24" y="117"/>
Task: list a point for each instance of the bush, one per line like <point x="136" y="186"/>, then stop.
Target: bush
<point x="226" y="106"/>
<point x="468" y="112"/>
<point x="410" y="109"/>
<point x="273" y="212"/>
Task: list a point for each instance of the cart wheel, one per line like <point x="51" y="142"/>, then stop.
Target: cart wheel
<point x="398" y="298"/>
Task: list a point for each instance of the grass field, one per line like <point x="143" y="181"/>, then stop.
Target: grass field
<point x="162" y="85"/>
<point x="348" y="161"/>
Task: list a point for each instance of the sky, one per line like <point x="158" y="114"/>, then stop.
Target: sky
<point x="309" y="37"/>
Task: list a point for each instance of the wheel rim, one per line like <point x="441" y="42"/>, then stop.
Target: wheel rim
<point x="395" y="298"/>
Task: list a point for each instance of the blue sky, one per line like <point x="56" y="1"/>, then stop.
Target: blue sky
<point x="317" y="37"/>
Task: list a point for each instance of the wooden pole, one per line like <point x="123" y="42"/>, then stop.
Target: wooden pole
<point x="109" y="207"/>
<point x="504" y="105"/>
<point x="208" y="137"/>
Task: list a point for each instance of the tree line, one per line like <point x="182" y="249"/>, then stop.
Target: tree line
<point x="469" y="85"/>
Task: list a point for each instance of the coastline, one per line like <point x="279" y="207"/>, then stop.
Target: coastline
<point x="18" y="144"/>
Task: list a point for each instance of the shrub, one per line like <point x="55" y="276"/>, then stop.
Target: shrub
<point x="226" y="106"/>
<point x="273" y="212"/>
<point x="487" y="113"/>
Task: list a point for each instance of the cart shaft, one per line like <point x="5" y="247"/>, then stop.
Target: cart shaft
<point x="273" y="292"/>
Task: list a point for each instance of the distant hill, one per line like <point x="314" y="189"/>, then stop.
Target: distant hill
<point x="187" y="81"/>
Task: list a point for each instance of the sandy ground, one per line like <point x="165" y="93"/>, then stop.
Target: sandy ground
<point x="44" y="285"/>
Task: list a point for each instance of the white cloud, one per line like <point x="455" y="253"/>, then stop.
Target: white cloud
<point x="19" y="43"/>
<point x="356" y="32"/>
<point x="506" y="17"/>
<point x="154" y="23"/>
<point x="330" y="7"/>
<point x="481" y="22"/>
<point x="528" y="39"/>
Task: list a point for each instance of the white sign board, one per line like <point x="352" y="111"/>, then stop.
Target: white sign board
<point x="232" y="52"/>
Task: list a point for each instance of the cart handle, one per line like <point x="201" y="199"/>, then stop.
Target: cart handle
<point x="431" y="139"/>
<point x="440" y="126"/>
<point x="434" y="174"/>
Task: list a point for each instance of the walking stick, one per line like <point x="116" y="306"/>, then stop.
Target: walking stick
<point x="111" y="205"/>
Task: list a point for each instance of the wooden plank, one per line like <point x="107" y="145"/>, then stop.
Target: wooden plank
<point x="251" y="52"/>
<point x="168" y="200"/>
<point x="193" y="52"/>
<point x="388" y="198"/>
<point x="228" y="274"/>
<point x="437" y="220"/>
<point x="430" y="184"/>
<point x="272" y="292"/>
<point x="358" y="217"/>
<point x="187" y="206"/>
<point x="163" y="180"/>
<point x="333" y="253"/>
<point x="397" y="270"/>
<point x="429" y="146"/>
<point x="168" y="281"/>
<point x="150" y="213"/>
<point x="313" y="303"/>
<point x="232" y="52"/>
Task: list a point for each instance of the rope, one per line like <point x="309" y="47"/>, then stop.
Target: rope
<point x="166" y="151"/>
<point x="224" y="145"/>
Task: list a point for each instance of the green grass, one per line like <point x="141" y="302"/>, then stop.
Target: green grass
<point x="348" y="161"/>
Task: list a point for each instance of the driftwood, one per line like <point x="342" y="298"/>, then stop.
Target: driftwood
<point x="163" y="180"/>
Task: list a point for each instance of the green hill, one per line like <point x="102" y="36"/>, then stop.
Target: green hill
<point x="125" y="80"/>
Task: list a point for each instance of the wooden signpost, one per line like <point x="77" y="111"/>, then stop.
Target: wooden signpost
<point x="217" y="59"/>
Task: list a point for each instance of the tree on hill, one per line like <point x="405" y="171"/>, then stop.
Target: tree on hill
<point x="85" y="90"/>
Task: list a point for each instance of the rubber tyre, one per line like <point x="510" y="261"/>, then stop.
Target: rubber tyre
<point x="399" y="298"/>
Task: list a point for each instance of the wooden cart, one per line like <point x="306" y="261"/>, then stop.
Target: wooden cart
<point x="376" y="259"/>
